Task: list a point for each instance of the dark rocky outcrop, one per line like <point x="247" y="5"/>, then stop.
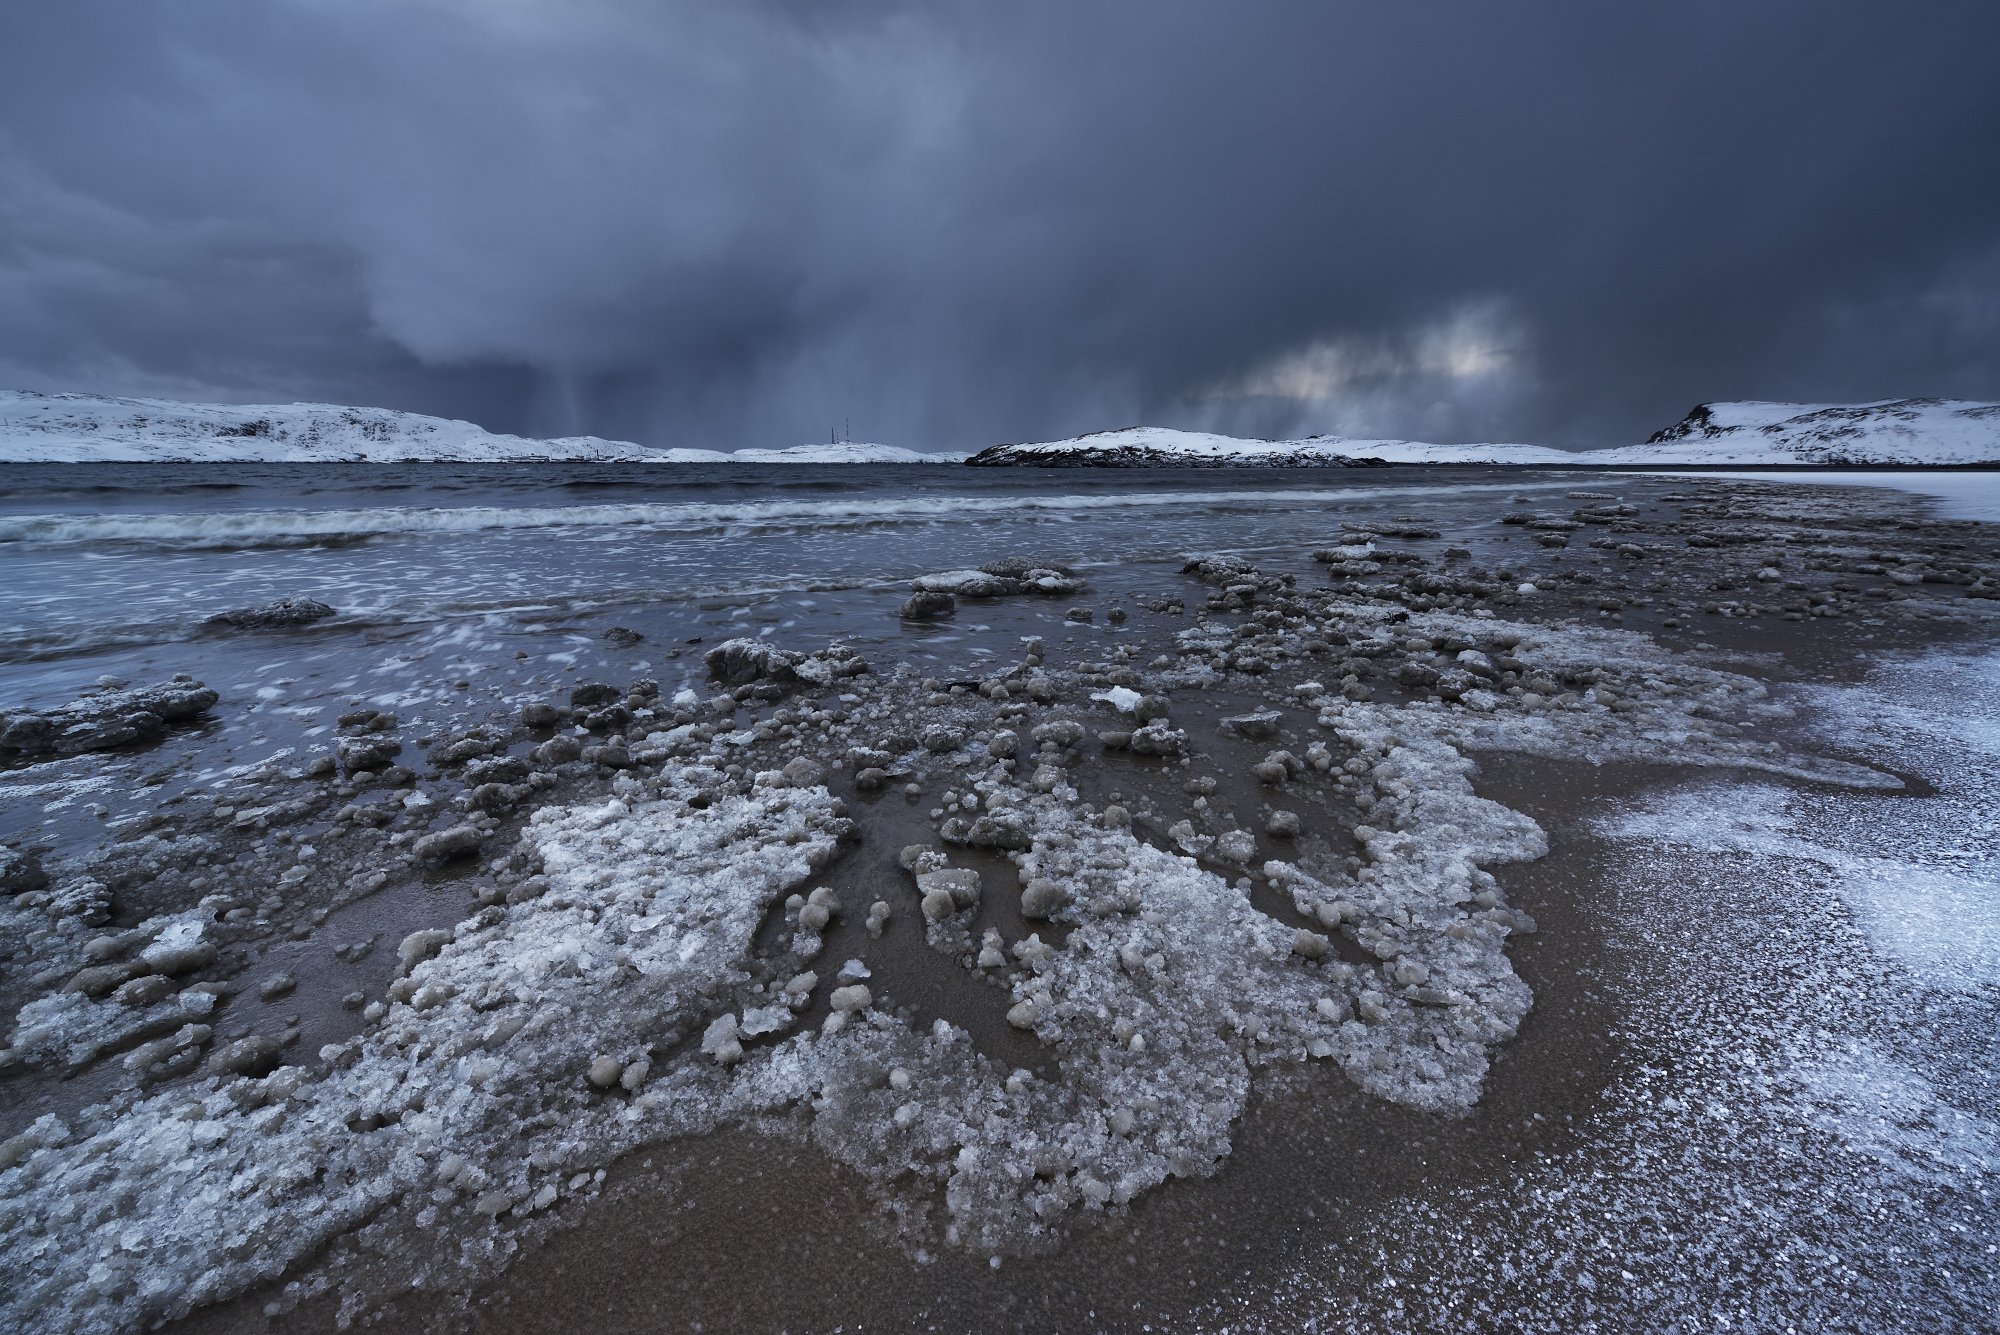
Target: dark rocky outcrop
<point x="103" y="721"/>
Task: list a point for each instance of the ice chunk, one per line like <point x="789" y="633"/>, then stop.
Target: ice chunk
<point x="1121" y="698"/>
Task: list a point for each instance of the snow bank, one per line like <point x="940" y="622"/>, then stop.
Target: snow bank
<point x="608" y="1006"/>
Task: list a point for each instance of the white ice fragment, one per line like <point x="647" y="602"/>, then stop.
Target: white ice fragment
<point x="1042" y="898"/>
<point x="420" y="946"/>
<point x="960" y="885"/>
<point x="720" y="1038"/>
<point x="854" y="997"/>
<point x="762" y="1020"/>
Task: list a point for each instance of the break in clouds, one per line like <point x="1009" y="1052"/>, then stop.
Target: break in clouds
<point x="953" y="224"/>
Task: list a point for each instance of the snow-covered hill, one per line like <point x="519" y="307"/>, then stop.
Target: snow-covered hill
<point x="1888" y="432"/>
<point x="1161" y="447"/>
<point x="852" y="452"/>
<point x="80" y="428"/>
<point x="83" y="428"/>
<point x="1891" y="433"/>
<point x="1420" y="452"/>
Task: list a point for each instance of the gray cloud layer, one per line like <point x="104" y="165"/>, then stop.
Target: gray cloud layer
<point x="955" y="223"/>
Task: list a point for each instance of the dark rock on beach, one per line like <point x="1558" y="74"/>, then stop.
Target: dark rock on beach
<point x="747" y="662"/>
<point x="103" y="721"/>
<point x="926" y="605"/>
<point x="1002" y="579"/>
<point x="740" y="662"/>
<point x="20" y="871"/>
<point x="280" y="615"/>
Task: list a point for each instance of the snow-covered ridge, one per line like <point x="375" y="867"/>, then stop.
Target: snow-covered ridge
<point x="1891" y="433"/>
<point x="1162" y="447"/>
<point x="80" y="428"/>
<point x="83" y="428"/>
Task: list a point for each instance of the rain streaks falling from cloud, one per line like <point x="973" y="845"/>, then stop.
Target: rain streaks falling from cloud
<point x="957" y="223"/>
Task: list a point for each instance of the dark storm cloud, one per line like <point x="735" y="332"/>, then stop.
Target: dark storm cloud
<point x="956" y="223"/>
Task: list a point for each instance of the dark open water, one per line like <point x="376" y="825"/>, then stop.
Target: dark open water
<point x="113" y="568"/>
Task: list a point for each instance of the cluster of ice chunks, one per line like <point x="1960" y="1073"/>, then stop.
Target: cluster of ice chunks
<point x="1644" y="704"/>
<point x="481" y="1088"/>
<point x="1158" y="1012"/>
<point x="136" y="992"/>
<point x="542" y="1043"/>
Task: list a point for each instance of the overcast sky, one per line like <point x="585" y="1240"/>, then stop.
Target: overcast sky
<point x="743" y="222"/>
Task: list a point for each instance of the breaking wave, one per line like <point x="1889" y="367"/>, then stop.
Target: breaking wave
<point x="289" y="528"/>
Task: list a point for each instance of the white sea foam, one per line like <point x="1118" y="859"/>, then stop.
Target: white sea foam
<point x="1911" y="699"/>
<point x="1880" y="1108"/>
<point x="293" y="527"/>
<point x="1959" y="495"/>
<point x="1936" y="914"/>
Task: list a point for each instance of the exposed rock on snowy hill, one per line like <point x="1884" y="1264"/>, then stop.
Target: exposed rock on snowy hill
<point x="1893" y="431"/>
<point x="84" y="428"/>
<point x="1160" y="447"/>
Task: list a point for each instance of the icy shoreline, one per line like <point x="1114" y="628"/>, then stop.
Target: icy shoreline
<point x="1201" y="851"/>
